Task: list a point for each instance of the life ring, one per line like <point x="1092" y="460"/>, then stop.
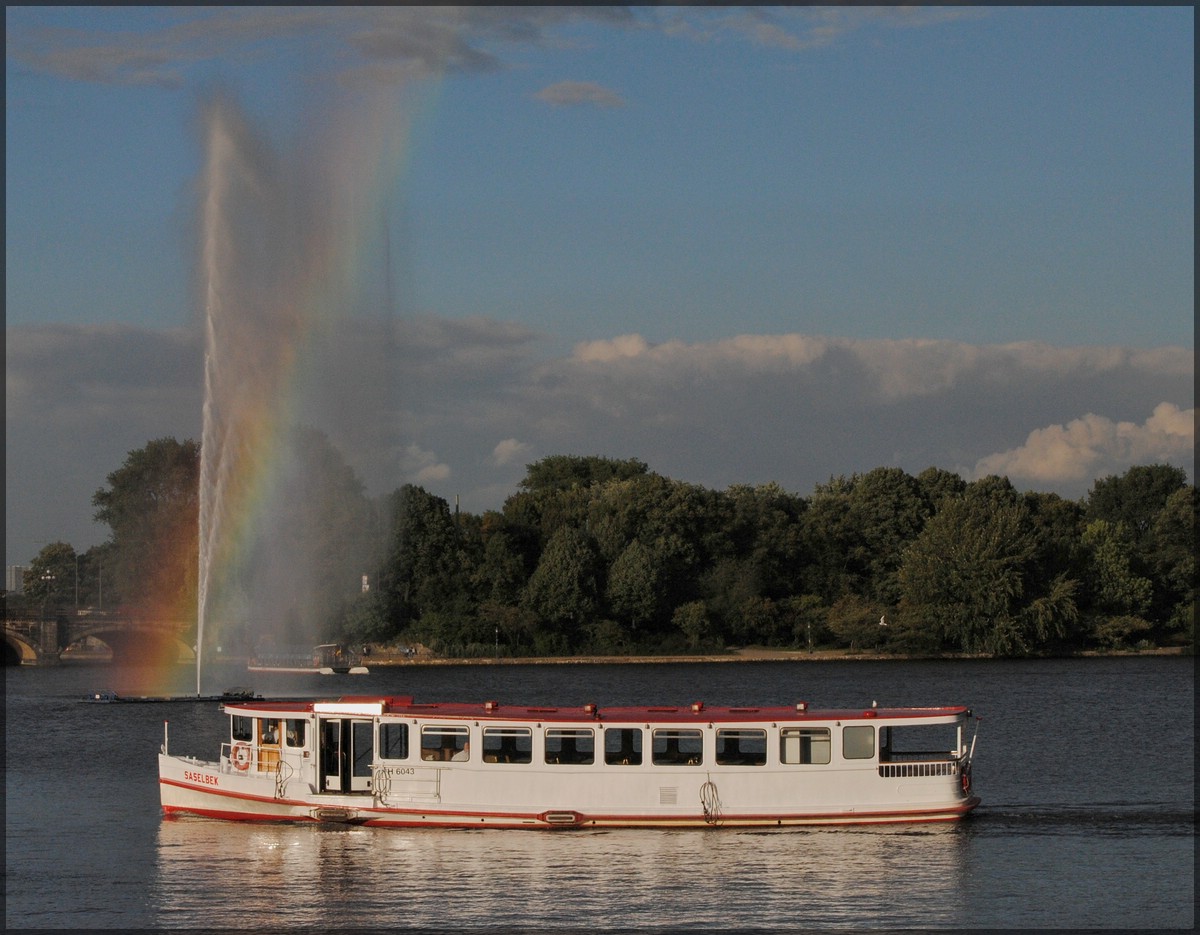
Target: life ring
<point x="240" y="757"/>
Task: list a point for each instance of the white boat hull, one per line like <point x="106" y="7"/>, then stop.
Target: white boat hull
<point x="217" y="790"/>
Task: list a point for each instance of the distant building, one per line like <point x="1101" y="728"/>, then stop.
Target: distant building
<point x="14" y="578"/>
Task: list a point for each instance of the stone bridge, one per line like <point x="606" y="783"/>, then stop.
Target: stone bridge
<point x="34" y="642"/>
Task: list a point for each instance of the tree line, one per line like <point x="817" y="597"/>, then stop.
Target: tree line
<point x="603" y="556"/>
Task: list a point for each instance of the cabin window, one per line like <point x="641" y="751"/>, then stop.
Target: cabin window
<point x="241" y="728"/>
<point x="623" y="746"/>
<point x="858" y="743"/>
<point x="295" y="731"/>
<point x="674" y="747"/>
<point x="569" y="746"/>
<point x="270" y="731"/>
<point x="445" y="743"/>
<point x="507" y="745"/>
<point x="918" y="742"/>
<point x="804" y="745"/>
<point x="741" y="747"/>
<point x="393" y="741"/>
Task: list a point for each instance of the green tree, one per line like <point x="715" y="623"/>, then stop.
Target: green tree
<point x="830" y="541"/>
<point x="633" y="585"/>
<point x="97" y="587"/>
<point x="692" y="620"/>
<point x="501" y="571"/>
<point x="424" y="572"/>
<point x="809" y="619"/>
<point x="564" y="589"/>
<point x="764" y="527"/>
<point x="1135" y="497"/>
<point x="1172" y="543"/>
<point x="965" y="572"/>
<point x="563" y="472"/>
<point x="151" y="505"/>
<point x="855" y="622"/>
<point x="938" y="485"/>
<point x="1115" y="588"/>
<point x="730" y="586"/>
<point x="50" y="581"/>
<point x="888" y="509"/>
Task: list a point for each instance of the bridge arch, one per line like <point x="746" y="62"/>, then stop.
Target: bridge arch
<point x="18" y="651"/>
<point x="133" y="641"/>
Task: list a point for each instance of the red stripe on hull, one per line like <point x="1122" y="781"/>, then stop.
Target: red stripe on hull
<point x="450" y="818"/>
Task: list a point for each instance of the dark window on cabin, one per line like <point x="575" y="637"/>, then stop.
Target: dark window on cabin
<point x="806" y="745"/>
<point x="858" y="743"/>
<point x="295" y="731"/>
<point x="331" y="748"/>
<point x="393" y="741"/>
<point x="507" y="745"/>
<point x="673" y="747"/>
<point x="570" y="746"/>
<point x="741" y="747"/>
<point x="362" y="746"/>
<point x="241" y="728"/>
<point x="918" y="742"/>
<point x="623" y="746"/>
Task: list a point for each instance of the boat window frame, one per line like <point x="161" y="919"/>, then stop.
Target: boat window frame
<point x="452" y="751"/>
<point x="295" y="732"/>
<point x="680" y="756"/>
<point x="621" y="754"/>
<point x="755" y="756"/>
<point x="580" y="757"/>
<point x="853" y="731"/>
<point x="384" y="744"/>
<point x="241" y="728"/>
<point x="900" y="743"/>
<point x="817" y="738"/>
<point x="506" y="754"/>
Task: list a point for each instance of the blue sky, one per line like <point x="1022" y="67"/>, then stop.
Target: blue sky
<point x="595" y="209"/>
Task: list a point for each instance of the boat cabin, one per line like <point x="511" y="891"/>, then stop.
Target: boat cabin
<point x="350" y="746"/>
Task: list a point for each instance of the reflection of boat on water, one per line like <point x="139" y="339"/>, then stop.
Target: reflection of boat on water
<point x="325" y="659"/>
<point x="636" y="878"/>
<point x="389" y="761"/>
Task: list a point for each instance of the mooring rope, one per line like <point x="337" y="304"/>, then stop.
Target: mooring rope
<point x="710" y="802"/>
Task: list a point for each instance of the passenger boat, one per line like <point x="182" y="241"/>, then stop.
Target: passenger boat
<point x="326" y="659"/>
<point x="390" y="761"/>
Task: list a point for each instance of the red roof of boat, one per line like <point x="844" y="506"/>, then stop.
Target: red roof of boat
<point x="696" y="711"/>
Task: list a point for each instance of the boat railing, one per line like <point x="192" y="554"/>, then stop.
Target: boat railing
<point x="406" y="784"/>
<point x="909" y="764"/>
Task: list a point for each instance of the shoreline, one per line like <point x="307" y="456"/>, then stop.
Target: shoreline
<point x="750" y="654"/>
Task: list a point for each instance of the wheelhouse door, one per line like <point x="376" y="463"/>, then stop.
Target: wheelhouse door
<point x="347" y="751"/>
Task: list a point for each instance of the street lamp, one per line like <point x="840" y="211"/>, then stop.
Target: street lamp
<point x="49" y="578"/>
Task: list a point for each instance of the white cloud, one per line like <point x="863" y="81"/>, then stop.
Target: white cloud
<point x="1094" y="446"/>
<point x="626" y="345"/>
<point x="397" y="43"/>
<point x="425" y="401"/>
<point x="421" y="466"/>
<point x="510" y="451"/>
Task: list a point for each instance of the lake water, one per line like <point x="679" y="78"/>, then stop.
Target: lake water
<point x="1085" y="768"/>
